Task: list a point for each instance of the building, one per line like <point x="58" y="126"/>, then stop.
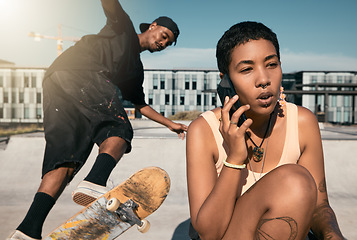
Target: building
<point x="20" y="94"/>
<point x="330" y="95"/>
<point x="172" y="91"/>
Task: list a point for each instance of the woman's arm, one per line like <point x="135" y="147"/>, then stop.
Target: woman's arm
<point x="324" y="223"/>
<point x="212" y="199"/>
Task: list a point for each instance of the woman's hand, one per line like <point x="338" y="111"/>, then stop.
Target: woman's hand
<point x="233" y="135"/>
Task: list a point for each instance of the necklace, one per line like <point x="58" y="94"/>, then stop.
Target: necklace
<point x="261" y="169"/>
<point x="263" y="153"/>
<point x="258" y="152"/>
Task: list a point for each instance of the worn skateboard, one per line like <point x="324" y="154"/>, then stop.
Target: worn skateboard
<point x="119" y="209"/>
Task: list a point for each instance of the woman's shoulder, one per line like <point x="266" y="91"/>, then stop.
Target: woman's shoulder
<point x="306" y="117"/>
<point x="308" y="126"/>
<point x="200" y="125"/>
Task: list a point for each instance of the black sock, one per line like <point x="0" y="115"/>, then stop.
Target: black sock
<point x="36" y="215"/>
<point x="103" y="166"/>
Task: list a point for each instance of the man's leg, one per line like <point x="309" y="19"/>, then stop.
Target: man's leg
<point x="51" y="187"/>
<point x="110" y="152"/>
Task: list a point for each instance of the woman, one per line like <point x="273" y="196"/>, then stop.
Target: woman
<point x="264" y="179"/>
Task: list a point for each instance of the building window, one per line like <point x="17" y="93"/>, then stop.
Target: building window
<point x="38" y="113"/>
<point x="13" y="113"/>
<point x="6" y="97"/>
<point x="26" y="81"/>
<point x="346" y="116"/>
<point x="339" y="79"/>
<point x="155" y="81"/>
<point x="162" y="81"/>
<point x="34" y="80"/>
<point x="26" y="113"/>
<point x="167" y="99"/>
<point x="194" y="82"/>
<point x="346" y="101"/>
<point x="213" y="99"/>
<point x="187" y="81"/>
<point x="1" y="113"/>
<point x="150" y="99"/>
<point x="21" y="97"/>
<point x="194" y="85"/>
<point x="205" y="84"/>
<point x="182" y="99"/>
<point x="334" y="101"/>
<point x="173" y="83"/>
<point x="162" y="111"/>
<point x="199" y="100"/>
<point x="13" y="97"/>
<point x="38" y="97"/>
<point x="314" y="79"/>
<point x="338" y="115"/>
<point x="1" y="81"/>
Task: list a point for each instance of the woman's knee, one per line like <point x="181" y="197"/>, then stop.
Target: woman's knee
<point x="296" y="183"/>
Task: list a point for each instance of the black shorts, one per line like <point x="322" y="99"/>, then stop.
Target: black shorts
<point x="80" y="109"/>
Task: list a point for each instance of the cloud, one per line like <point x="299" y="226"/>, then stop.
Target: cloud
<point x="197" y="58"/>
<point x="174" y="58"/>
<point x="306" y="61"/>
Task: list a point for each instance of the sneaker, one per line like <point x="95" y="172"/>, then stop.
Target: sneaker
<point x="87" y="192"/>
<point x="17" y="235"/>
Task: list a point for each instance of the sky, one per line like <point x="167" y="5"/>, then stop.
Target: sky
<point x="318" y="35"/>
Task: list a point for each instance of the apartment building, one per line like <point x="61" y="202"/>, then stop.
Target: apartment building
<point x="331" y="95"/>
<point x="20" y="94"/>
<point x="172" y="91"/>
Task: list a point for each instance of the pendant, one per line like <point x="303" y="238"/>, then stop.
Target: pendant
<point x="258" y="154"/>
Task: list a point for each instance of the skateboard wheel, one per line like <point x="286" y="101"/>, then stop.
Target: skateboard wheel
<point x="113" y="204"/>
<point x="145" y="226"/>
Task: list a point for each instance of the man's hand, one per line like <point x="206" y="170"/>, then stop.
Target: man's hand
<point x="178" y="128"/>
<point x="150" y="113"/>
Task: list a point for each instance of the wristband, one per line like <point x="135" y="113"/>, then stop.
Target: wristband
<point x="227" y="164"/>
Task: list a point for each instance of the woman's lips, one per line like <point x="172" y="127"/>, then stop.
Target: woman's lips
<point x="265" y="99"/>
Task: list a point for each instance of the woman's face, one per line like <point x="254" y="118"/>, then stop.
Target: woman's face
<point x="256" y="74"/>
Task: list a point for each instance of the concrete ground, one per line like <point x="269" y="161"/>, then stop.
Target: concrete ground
<point x="154" y="145"/>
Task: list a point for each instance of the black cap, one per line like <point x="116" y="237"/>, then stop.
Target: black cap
<point x="165" y="22"/>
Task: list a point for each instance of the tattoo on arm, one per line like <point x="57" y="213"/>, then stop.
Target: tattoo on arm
<point x="322" y="186"/>
<point x="324" y="223"/>
<point x="292" y="224"/>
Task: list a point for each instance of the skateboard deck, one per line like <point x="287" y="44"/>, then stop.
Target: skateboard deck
<point x="139" y="196"/>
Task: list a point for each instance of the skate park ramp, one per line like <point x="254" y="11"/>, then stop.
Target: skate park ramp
<point x="154" y="145"/>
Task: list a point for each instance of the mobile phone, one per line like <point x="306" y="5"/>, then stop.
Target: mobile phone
<point x="226" y="88"/>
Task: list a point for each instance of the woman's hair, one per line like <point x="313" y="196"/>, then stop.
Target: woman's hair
<point x="239" y="34"/>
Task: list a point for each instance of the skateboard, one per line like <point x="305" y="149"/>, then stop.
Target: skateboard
<point x="116" y="211"/>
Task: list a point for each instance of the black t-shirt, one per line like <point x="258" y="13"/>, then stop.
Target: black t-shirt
<point x="115" y="50"/>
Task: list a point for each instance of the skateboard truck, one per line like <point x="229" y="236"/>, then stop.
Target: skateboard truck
<point x="126" y="213"/>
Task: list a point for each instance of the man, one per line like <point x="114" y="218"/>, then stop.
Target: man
<point x="82" y="107"/>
